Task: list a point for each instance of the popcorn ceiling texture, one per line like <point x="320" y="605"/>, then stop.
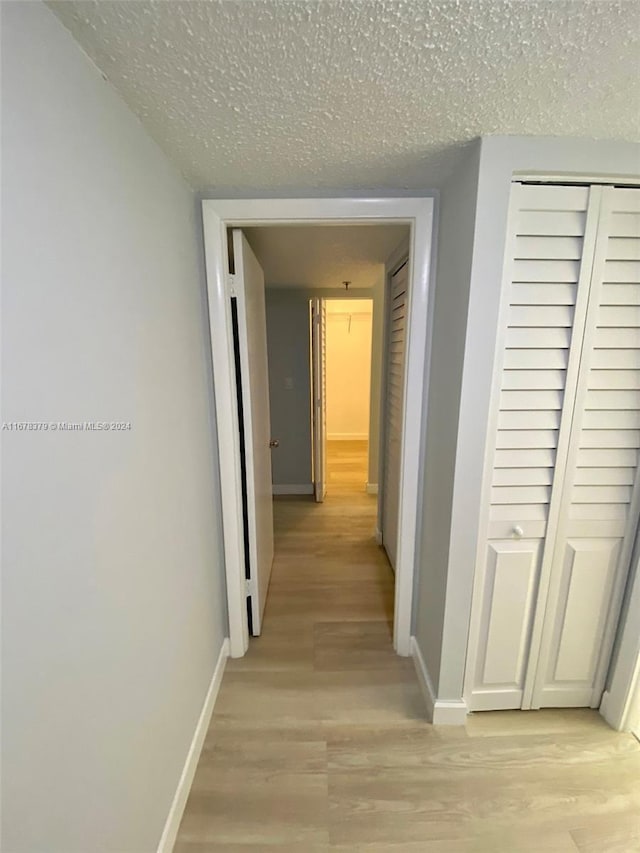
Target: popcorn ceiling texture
<point x="354" y="94"/>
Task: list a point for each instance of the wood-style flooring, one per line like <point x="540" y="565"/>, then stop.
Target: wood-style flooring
<point x="347" y="463"/>
<point x="318" y="742"/>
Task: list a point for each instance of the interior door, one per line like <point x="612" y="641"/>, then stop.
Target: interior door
<point x="319" y="390"/>
<point x="394" y="406"/>
<point x="255" y="423"/>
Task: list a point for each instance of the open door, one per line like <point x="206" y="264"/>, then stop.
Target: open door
<point x="252" y="377"/>
<point x="319" y="403"/>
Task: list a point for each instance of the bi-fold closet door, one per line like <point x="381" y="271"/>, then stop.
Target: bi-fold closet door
<point x="562" y="491"/>
<point x="394" y="405"/>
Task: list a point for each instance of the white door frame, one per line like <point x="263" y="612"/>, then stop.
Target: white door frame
<point x="220" y="214"/>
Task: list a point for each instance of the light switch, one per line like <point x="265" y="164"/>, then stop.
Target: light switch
<point x="288" y="383"/>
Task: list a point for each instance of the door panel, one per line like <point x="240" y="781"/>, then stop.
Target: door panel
<point x="248" y="284"/>
<point x="582" y="604"/>
<point x="510" y="581"/>
<point x="589" y="567"/>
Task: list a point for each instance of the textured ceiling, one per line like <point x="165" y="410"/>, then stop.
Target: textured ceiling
<point x="324" y="256"/>
<point x="263" y="95"/>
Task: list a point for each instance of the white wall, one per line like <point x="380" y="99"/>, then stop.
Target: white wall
<point x="348" y="367"/>
<point x="453" y="269"/>
<point x="632" y="722"/>
<point x="500" y="157"/>
<point x="112" y="567"/>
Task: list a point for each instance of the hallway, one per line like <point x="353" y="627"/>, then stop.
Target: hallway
<point x="319" y="741"/>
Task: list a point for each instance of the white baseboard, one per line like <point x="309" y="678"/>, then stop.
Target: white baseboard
<point x="170" y="832"/>
<point x="293" y="489"/>
<point x="372" y="488"/>
<point x="441" y="712"/>
<point x="348" y="436"/>
<point x="450" y="712"/>
<point x="378" y="535"/>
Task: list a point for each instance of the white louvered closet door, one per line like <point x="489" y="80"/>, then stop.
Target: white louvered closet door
<point x="600" y="499"/>
<point x="396" y="348"/>
<point x="563" y="455"/>
<point x="534" y="400"/>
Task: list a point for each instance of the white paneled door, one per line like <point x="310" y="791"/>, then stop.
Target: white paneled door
<point x="248" y="301"/>
<point x="562" y="471"/>
<point x="319" y="392"/>
<point x="394" y="406"/>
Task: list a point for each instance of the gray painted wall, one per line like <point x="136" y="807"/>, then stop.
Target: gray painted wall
<point x="453" y="270"/>
<point x="500" y="157"/>
<point x="113" y="595"/>
<point x="288" y="346"/>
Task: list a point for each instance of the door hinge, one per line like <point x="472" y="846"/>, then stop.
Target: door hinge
<point x="231" y="285"/>
<point x="248" y="587"/>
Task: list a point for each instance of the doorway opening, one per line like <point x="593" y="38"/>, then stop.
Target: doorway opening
<point x="345" y="401"/>
<point x="346" y="367"/>
<point x="346" y="386"/>
<point x="221" y="216"/>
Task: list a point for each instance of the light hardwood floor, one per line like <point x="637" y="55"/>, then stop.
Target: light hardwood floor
<point x="347" y="463"/>
<point x="318" y="743"/>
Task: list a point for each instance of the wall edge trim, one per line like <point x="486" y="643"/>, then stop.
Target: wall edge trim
<point x="440" y="712"/>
